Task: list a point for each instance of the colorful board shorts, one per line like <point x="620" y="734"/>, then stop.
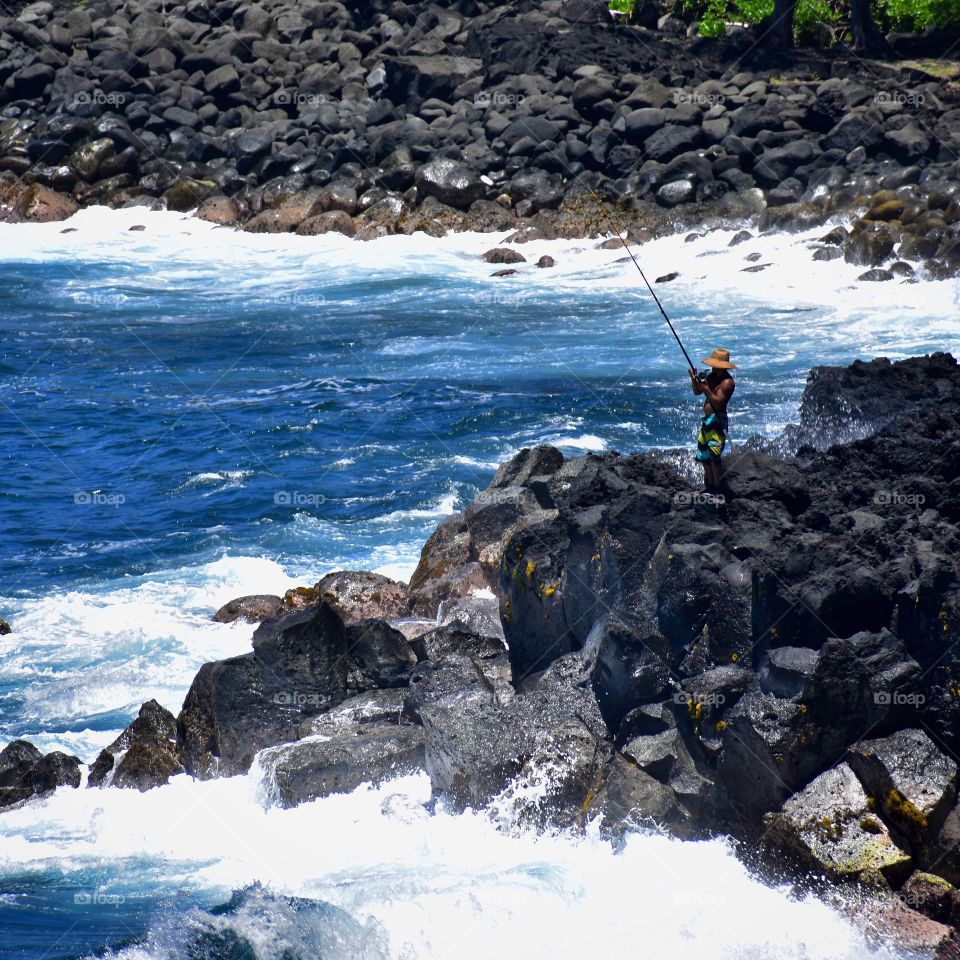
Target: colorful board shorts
<point x="712" y="438"/>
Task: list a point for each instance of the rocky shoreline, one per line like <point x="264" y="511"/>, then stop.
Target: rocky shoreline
<point x="546" y="119"/>
<point x="596" y="639"/>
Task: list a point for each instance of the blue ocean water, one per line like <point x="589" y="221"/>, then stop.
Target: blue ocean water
<point x="191" y="414"/>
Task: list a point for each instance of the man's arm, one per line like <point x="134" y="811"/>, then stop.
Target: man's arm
<point x="695" y="384"/>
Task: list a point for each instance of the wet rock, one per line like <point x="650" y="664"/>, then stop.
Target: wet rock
<point x="436" y="681"/>
<point x="455" y="638"/>
<point x="476" y="744"/>
<point x="504" y="255"/>
<point x="772" y="745"/>
<point x="379" y="656"/>
<point x="672" y="194"/>
<point x="39" y="204"/>
<point x="25" y="772"/>
<point x="905" y="928"/>
<point x="791" y="217"/>
<point x="187" y="194"/>
<point x="536" y="190"/>
<point x="220" y="210"/>
<point x="368" y="709"/>
<point x="875" y="275"/>
<point x="827" y="254"/>
<point x="479" y="613"/>
<point x="143" y="756"/>
<point x="283" y="220"/>
<point x="253" y="608"/>
<point x="909" y="144"/>
<point x="831" y="827"/>
<point x="667" y="277"/>
<point x="912" y="782"/>
<point x="885" y="206"/>
<point x="930" y="895"/>
<point x="448" y="568"/>
<point x="464" y="553"/>
<point x="546" y="261"/>
<point x="249" y="145"/>
<point x="786" y="671"/>
<point x="321" y="766"/>
<point x="901" y="269"/>
<point x="87" y="158"/>
<point x="222" y="81"/>
<point x="450" y="182"/>
<point x="5" y="627"/>
<point x="335" y="221"/>
<point x="235" y="707"/>
<point x="870" y="245"/>
<point x="361" y="595"/>
<point x="336" y="197"/>
<point x="835" y="237"/>
<point x="870" y="394"/>
<point x="670" y="141"/>
<point x="505" y="273"/>
<point x="630" y="799"/>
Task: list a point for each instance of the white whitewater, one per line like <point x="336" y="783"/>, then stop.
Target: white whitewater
<point x="422" y="885"/>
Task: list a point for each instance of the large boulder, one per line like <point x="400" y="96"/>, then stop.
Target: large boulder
<point x="831" y="826"/>
<point x="379" y="656"/>
<point x="450" y="182"/>
<point x="912" y="782"/>
<point x="40" y="204"/>
<point x="361" y="595"/>
<point x="299" y="666"/>
<point x="412" y="79"/>
<point x="253" y="608"/>
<point x="319" y="766"/>
<point x="25" y="772"/>
<point x="478" y="742"/>
<point x="143" y="756"/>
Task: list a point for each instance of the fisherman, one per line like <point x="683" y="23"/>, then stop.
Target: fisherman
<point x="717" y="387"/>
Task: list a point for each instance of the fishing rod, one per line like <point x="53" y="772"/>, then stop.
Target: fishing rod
<point x="636" y="263"/>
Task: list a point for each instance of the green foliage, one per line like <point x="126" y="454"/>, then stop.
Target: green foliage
<point x="918" y="14"/>
<point x="753" y="11"/>
<point x="811" y="15"/>
<point x="713" y="19"/>
<point x="623" y="6"/>
<point x="808" y="14"/>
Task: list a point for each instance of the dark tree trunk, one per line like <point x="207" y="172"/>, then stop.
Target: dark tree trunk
<point x="867" y="37"/>
<point x="776" y="32"/>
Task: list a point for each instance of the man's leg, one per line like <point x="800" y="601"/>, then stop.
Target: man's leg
<point x="711" y="475"/>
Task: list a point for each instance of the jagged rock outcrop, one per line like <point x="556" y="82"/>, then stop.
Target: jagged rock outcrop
<point x="463" y="554"/>
<point x="145" y="755"/>
<point x="612" y="644"/>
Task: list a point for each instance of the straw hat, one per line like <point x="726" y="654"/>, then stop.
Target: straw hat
<point x="720" y="360"/>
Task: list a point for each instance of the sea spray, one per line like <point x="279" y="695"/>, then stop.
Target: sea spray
<point x="376" y="864"/>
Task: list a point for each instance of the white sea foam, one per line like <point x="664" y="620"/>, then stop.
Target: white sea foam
<point x="80" y="654"/>
<point x="443" y="507"/>
<point x="882" y="317"/>
<point x="434" y="886"/>
<point x="586" y="441"/>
